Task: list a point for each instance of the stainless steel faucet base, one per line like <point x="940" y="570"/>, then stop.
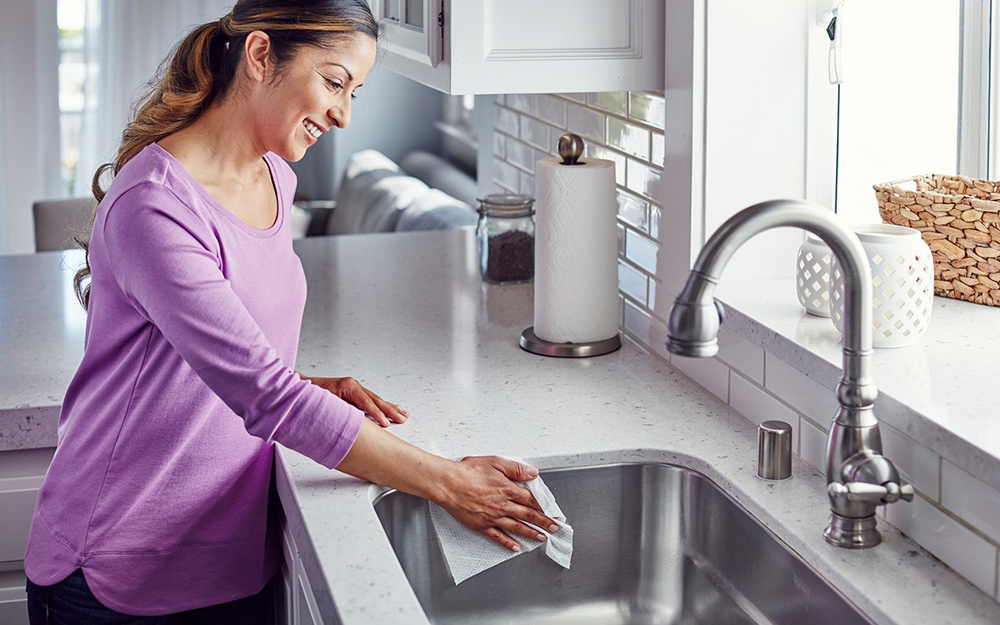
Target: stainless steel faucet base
<point x="852" y="533"/>
<point x="530" y="342"/>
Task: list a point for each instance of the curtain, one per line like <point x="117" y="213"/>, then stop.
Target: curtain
<point x="29" y="117"/>
<point x="125" y="43"/>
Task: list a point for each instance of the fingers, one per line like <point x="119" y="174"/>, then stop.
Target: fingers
<point x="516" y="471"/>
<point x="523" y="496"/>
<point x="393" y="411"/>
<point x="374" y="406"/>
<point x="501" y="539"/>
<point x="365" y="403"/>
<point x="524" y="513"/>
<point x="515" y="527"/>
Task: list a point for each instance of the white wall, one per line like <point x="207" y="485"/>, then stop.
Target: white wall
<point x="755" y="123"/>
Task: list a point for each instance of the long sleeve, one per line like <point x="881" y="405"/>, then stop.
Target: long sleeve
<point x="166" y="262"/>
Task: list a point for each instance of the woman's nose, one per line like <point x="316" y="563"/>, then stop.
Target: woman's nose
<point x="340" y="114"/>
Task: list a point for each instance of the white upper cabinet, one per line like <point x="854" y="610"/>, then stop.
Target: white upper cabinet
<point x="525" y="46"/>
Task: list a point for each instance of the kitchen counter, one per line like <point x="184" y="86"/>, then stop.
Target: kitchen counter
<point x="408" y="316"/>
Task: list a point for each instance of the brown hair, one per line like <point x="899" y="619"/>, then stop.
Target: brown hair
<point x="203" y="65"/>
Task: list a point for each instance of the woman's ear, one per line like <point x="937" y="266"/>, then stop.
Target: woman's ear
<point x="258" y="55"/>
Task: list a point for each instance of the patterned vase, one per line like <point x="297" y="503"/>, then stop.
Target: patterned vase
<point x="812" y="276"/>
<point x="902" y="284"/>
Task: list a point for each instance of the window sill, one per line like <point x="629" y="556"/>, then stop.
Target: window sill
<point x="940" y="392"/>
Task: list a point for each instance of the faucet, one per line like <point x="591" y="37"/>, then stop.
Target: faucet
<point x="859" y="478"/>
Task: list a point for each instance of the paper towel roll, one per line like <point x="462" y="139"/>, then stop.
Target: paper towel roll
<point x="576" y="251"/>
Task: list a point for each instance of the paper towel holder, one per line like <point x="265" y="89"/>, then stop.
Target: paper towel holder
<point x="570" y="149"/>
<point x="531" y="343"/>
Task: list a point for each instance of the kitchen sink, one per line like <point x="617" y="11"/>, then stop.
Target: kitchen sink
<point x="654" y="544"/>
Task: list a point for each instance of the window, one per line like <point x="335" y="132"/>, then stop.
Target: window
<point x="73" y="69"/>
<point x="459" y="130"/>
<point x="900" y="100"/>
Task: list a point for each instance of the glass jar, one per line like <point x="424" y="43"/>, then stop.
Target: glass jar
<point x="506" y="234"/>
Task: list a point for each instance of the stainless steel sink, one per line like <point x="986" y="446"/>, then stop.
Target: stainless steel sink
<point x="654" y="544"/>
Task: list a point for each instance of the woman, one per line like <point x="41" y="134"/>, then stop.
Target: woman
<point x="157" y="500"/>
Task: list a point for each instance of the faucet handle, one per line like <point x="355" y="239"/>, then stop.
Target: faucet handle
<point x="903" y="491"/>
<point x="890" y="492"/>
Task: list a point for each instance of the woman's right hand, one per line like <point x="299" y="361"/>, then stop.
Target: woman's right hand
<point x="481" y="495"/>
<point x="478" y="491"/>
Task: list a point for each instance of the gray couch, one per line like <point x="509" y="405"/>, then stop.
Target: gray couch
<point x="423" y="192"/>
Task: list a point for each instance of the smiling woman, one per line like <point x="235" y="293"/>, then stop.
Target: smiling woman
<point x="160" y="499"/>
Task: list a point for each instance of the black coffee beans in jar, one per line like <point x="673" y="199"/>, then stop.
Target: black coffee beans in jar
<point x="506" y="234"/>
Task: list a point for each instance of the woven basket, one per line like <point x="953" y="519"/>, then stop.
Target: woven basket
<point x="959" y="218"/>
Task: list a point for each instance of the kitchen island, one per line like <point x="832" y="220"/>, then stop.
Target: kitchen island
<point x="408" y="316"/>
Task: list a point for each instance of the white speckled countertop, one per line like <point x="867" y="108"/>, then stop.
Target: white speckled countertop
<point x="408" y="316"/>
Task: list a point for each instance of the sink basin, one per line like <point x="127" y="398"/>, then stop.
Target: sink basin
<point x="654" y="544"/>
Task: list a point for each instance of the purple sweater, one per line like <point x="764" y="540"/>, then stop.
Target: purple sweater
<point x="161" y="485"/>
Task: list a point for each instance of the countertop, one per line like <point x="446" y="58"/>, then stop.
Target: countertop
<point x="408" y="316"/>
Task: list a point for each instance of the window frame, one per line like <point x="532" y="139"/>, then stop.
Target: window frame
<point x="975" y="131"/>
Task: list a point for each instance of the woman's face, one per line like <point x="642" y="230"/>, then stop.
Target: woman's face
<point x="312" y="95"/>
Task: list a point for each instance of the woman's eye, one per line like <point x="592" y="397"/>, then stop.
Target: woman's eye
<point x="337" y="85"/>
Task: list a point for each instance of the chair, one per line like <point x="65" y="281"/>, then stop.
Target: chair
<point x="58" y="221"/>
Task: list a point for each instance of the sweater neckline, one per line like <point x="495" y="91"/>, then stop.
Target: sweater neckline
<point x="177" y="166"/>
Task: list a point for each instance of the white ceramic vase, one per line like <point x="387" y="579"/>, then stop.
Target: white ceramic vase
<point x="902" y="284"/>
<point x="812" y="276"/>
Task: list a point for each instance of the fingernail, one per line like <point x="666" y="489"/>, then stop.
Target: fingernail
<point x="540" y="537"/>
<point x="516" y="547"/>
<point x="553" y="528"/>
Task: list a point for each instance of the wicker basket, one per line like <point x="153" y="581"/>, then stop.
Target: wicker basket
<point x="959" y="218"/>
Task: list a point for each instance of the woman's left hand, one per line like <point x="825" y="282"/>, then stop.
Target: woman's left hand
<point x="351" y="391"/>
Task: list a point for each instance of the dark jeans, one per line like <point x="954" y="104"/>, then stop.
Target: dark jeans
<point x="70" y="602"/>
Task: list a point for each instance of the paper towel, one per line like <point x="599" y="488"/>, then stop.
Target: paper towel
<point x="467" y="552"/>
<point x="576" y="251"/>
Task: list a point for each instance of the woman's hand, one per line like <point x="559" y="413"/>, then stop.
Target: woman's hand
<point x="482" y="496"/>
<point x="351" y="391"/>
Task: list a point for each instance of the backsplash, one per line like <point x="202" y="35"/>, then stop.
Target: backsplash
<point x="624" y="127"/>
<point x="954" y="516"/>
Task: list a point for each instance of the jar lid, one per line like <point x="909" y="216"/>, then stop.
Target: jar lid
<point x="504" y="202"/>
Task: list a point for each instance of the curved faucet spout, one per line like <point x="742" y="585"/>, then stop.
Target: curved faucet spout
<point x="693" y="325"/>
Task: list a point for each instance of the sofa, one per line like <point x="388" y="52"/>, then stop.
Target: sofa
<point x="421" y="192"/>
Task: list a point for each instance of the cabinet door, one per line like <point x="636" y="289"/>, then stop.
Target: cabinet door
<point x="527" y="46"/>
<point x="308" y="613"/>
<point x="556" y="46"/>
<point x="284" y="611"/>
<point x="288" y="609"/>
<point x="17" y="500"/>
<point x="414" y="34"/>
<point x="21" y="474"/>
<point x="13" y="599"/>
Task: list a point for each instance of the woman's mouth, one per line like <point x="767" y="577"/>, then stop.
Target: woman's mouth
<point x="313" y="132"/>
